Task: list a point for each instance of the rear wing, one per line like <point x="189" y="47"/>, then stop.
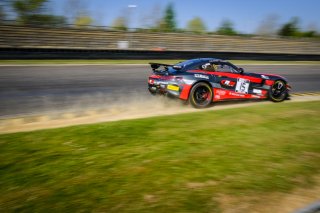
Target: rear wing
<point x="155" y="67"/>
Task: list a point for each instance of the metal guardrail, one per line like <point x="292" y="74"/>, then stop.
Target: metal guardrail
<point x="15" y="36"/>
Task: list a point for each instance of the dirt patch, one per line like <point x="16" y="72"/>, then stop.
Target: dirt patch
<point x="274" y="202"/>
<point x="136" y="107"/>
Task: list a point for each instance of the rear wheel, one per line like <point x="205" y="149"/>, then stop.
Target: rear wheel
<point x="152" y="90"/>
<point x="201" y="95"/>
<point x="278" y="91"/>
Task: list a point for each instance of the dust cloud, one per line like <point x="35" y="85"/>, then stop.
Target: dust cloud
<point x="86" y="109"/>
<point x="132" y="104"/>
<point x="100" y="108"/>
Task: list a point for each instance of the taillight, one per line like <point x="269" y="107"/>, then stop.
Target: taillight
<point x="151" y="81"/>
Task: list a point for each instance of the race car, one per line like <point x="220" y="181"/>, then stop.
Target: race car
<point x="205" y="80"/>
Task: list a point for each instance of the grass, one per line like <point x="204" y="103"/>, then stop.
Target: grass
<point x="180" y="163"/>
<point x="50" y="62"/>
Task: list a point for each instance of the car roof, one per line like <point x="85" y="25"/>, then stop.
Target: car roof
<point x="185" y="65"/>
<point x="211" y="59"/>
<point x="195" y="60"/>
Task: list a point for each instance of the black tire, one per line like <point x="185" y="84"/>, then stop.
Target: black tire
<point x="278" y="91"/>
<point x="152" y="92"/>
<point x="201" y="95"/>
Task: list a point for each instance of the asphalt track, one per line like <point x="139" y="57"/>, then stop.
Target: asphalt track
<point x="26" y="90"/>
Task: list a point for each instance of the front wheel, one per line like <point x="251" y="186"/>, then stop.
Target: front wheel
<point x="278" y="91"/>
<point x="201" y="95"/>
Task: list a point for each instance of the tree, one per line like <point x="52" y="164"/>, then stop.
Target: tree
<point x="120" y="23"/>
<point x="311" y="30"/>
<point x="196" y="25"/>
<point x="310" y="34"/>
<point x="168" y="23"/>
<point x="2" y="13"/>
<point x="226" y="28"/>
<point x="32" y="12"/>
<point x="45" y="20"/>
<point x="290" y="29"/>
<point x="26" y="9"/>
<point x="83" y="21"/>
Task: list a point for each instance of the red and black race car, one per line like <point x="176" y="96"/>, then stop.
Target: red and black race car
<point x="206" y="80"/>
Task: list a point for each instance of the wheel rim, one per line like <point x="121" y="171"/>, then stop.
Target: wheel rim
<point x="278" y="89"/>
<point x="202" y="95"/>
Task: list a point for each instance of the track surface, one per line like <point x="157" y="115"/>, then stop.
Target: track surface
<point x="26" y="90"/>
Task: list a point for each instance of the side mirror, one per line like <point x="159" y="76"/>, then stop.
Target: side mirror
<point x="176" y="67"/>
<point x="241" y="70"/>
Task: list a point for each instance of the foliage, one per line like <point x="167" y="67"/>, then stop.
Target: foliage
<point x="34" y="12"/>
<point x="310" y="34"/>
<point x="226" y="28"/>
<point x="83" y="21"/>
<point x="43" y="20"/>
<point x="31" y="12"/>
<point x="168" y="23"/>
<point x="120" y="23"/>
<point x="290" y="29"/>
<point x="163" y="164"/>
<point x="2" y="13"/>
<point x="28" y="7"/>
<point x="196" y="25"/>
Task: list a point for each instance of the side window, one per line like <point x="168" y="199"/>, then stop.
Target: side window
<point x="224" y="68"/>
<point x="215" y="67"/>
<point x="207" y="67"/>
<point x="196" y="66"/>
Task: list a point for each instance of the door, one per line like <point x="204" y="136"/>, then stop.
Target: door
<point x="231" y="84"/>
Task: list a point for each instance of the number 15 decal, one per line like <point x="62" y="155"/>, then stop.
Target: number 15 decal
<point x="242" y="85"/>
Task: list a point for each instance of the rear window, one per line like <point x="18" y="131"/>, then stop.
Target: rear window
<point x="190" y="64"/>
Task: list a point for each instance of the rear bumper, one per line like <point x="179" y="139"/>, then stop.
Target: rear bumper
<point x="165" y="89"/>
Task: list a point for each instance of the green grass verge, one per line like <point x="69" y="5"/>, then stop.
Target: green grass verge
<point x="49" y="62"/>
<point x="179" y="163"/>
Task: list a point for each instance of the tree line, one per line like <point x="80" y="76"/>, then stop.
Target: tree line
<point x="36" y="12"/>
